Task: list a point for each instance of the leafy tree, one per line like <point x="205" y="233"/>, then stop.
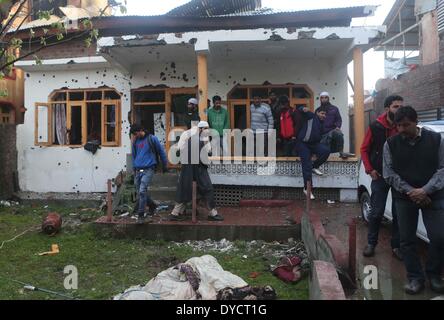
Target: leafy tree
<point x="14" y="14"/>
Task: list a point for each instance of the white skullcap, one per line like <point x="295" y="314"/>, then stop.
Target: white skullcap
<point x="324" y="94"/>
<point x="193" y="101"/>
<point x="203" y="124"/>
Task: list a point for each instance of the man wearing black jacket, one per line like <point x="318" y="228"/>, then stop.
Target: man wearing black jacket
<point x="413" y="166"/>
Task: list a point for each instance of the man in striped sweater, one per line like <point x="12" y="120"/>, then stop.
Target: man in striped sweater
<point x="261" y="121"/>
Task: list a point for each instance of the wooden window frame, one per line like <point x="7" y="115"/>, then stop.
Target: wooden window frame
<point x="48" y="124"/>
<point x="84" y="105"/>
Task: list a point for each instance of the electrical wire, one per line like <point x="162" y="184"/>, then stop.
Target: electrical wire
<point x="29" y="287"/>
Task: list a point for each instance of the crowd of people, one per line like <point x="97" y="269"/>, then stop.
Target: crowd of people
<point x="396" y="153"/>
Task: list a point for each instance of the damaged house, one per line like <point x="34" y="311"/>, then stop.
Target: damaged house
<point x="144" y="68"/>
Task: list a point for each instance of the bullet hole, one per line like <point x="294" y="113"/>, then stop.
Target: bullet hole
<point x="150" y="52"/>
<point x="265" y="32"/>
<point x="336" y="83"/>
<point x="59" y="164"/>
<point x="131" y="77"/>
<point x="44" y="75"/>
<point x="194" y="78"/>
<point x="229" y="77"/>
<point x="164" y="79"/>
<point x="40" y="81"/>
<point x="97" y="167"/>
<point x="73" y="188"/>
<point x="226" y="83"/>
<point x="40" y="137"/>
<point x="234" y="82"/>
<point x="102" y="82"/>
<point x="185" y="77"/>
<point x="97" y="72"/>
<point x="162" y="74"/>
<point x="32" y="148"/>
<point x="166" y="68"/>
<point x="78" y="191"/>
<point x="53" y="76"/>
<point x="326" y="83"/>
<point x="130" y="83"/>
<point x="244" y="79"/>
<point x="192" y="41"/>
<point x="125" y="95"/>
<point x="95" y="83"/>
<point x="173" y="65"/>
<point x="87" y="78"/>
<point x="28" y="75"/>
<point x="174" y="71"/>
<point x="218" y="81"/>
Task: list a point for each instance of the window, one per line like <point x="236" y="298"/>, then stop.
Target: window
<point x="6" y="113"/>
<point x="74" y="117"/>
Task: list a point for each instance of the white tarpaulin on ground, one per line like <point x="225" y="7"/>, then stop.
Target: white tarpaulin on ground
<point x="172" y="284"/>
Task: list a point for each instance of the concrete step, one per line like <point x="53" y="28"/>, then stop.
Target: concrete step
<point x="165" y="180"/>
<point x="162" y="193"/>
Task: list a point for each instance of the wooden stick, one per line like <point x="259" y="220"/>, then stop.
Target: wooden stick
<point x="109" y="203"/>
<point x="308" y="208"/>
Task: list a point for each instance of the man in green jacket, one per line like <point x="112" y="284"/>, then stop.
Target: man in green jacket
<point x="218" y="120"/>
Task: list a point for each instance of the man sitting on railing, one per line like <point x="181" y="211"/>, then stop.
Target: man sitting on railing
<point x="309" y="144"/>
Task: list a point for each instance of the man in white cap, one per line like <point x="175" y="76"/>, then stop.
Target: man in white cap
<point x="192" y="112"/>
<point x="332" y="135"/>
<point x="194" y="171"/>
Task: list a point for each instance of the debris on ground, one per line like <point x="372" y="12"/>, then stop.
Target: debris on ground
<point x="54" y="250"/>
<point x="199" y="278"/>
<point x="8" y="204"/>
<point x="52" y="224"/>
<point x="290" y="269"/>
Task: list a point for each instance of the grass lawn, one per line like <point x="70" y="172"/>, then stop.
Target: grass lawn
<point x="106" y="266"/>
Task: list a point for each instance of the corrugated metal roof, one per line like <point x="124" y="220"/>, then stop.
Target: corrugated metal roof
<point x="441" y="16"/>
<point x="208" y="8"/>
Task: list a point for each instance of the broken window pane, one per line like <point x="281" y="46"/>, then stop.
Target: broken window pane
<point x="93" y="95"/>
<point x="239" y="93"/>
<point x="111" y="95"/>
<point x="301" y="93"/>
<point x="152" y="118"/>
<point x="110" y="122"/>
<point x="77" y="96"/>
<point x="75" y="132"/>
<point x="94" y="119"/>
<point x="149" y="96"/>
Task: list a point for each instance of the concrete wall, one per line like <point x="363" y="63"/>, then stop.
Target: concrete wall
<point x="63" y="169"/>
<point x="8" y="160"/>
<point x="429" y="39"/>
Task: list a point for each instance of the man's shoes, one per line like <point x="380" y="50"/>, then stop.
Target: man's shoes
<point x="140" y="220"/>
<point x="369" y="251"/>
<point x="414" y="287"/>
<point x="345" y="155"/>
<point x="437" y="284"/>
<point x="173" y="217"/>
<point x="397" y="253"/>
<point x="217" y="217"/>
<point x="317" y="172"/>
<point x="312" y="197"/>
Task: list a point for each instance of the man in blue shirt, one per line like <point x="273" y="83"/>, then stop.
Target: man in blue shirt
<point x="146" y="151"/>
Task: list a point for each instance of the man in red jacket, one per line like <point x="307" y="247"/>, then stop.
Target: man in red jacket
<point x="372" y="155"/>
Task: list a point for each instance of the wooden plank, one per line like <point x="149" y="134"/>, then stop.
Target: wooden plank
<point x="359" y="120"/>
<point x="202" y="74"/>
